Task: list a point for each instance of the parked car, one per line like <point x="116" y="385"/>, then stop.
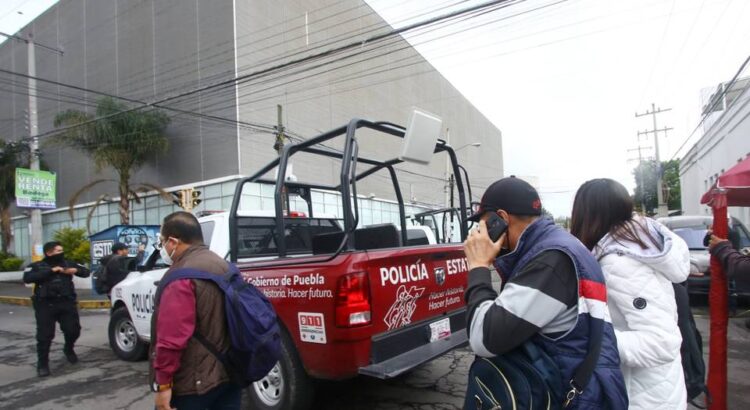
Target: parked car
<point x="693" y="228"/>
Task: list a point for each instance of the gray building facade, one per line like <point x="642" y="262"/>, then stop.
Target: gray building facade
<point x="151" y="50"/>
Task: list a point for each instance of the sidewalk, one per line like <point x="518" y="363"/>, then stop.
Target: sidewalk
<point x="16" y="293"/>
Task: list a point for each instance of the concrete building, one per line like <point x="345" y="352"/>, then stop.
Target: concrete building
<point x="147" y="50"/>
<point x="724" y="143"/>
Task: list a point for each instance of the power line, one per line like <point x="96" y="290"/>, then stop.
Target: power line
<point x="204" y="116"/>
<point x="275" y="84"/>
<point x="716" y="100"/>
<point x="421" y="61"/>
<point x="333" y="51"/>
<point x="382" y="37"/>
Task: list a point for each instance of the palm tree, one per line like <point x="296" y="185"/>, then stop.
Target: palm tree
<point x="118" y="138"/>
<point x="12" y="155"/>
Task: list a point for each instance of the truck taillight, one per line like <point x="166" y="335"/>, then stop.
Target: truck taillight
<point x="295" y="214"/>
<point x="353" y="300"/>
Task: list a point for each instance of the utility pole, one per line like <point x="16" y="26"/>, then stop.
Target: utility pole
<point x="662" y="206"/>
<point x="35" y="228"/>
<point x="640" y="175"/>
<point x="448" y="189"/>
<point x="279" y="147"/>
<point x="36" y="213"/>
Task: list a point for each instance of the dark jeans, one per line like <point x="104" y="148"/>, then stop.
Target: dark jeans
<point x="224" y="397"/>
<point x="50" y="311"/>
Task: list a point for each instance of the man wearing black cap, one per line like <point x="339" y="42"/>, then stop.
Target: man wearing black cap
<point x="552" y="295"/>
<point x="116" y="264"/>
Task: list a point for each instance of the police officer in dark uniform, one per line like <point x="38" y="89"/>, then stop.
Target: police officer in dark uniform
<point x="54" y="301"/>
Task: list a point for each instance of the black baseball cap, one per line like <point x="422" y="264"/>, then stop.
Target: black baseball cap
<point x="118" y="246"/>
<point x="513" y="195"/>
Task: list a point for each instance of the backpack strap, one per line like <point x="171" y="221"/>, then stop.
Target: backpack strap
<point x="189" y="273"/>
<point x="211" y="348"/>
<point x="583" y="373"/>
<point x="222" y="281"/>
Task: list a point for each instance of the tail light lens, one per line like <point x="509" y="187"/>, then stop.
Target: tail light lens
<point x="353" y="300"/>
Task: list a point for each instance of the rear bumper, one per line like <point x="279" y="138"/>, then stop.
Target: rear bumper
<point x="404" y="349"/>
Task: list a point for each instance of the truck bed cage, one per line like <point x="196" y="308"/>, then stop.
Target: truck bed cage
<point x="347" y="185"/>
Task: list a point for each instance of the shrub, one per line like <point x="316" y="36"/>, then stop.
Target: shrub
<point x="75" y="243"/>
<point x="11" y="264"/>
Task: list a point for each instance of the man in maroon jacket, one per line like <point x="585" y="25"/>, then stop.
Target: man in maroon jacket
<point x="735" y="264"/>
<point x="184" y="374"/>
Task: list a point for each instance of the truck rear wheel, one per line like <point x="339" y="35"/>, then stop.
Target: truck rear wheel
<point x="123" y="338"/>
<point x="286" y="386"/>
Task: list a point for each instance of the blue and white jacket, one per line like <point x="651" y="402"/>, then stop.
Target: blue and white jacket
<point x="553" y="290"/>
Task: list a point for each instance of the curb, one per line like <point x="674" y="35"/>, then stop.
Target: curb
<point x="82" y="304"/>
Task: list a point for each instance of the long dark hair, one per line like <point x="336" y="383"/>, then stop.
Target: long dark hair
<point x="603" y="206"/>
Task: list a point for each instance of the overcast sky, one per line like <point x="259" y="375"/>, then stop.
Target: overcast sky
<point x="563" y="79"/>
<point x="563" y="82"/>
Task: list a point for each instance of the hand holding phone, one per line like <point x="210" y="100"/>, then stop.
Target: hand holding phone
<point x="496" y="226"/>
<point x="482" y="247"/>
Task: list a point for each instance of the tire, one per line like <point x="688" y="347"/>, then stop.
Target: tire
<point x="123" y="338"/>
<point x="286" y="387"/>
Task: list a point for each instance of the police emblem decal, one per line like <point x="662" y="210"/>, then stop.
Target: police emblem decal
<point x="440" y="276"/>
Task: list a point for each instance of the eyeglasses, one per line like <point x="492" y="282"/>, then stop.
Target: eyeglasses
<point x="160" y="242"/>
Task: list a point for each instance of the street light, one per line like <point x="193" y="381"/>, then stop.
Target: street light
<point x="449" y="183"/>
<point x="449" y="175"/>
<point x="471" y="144"/>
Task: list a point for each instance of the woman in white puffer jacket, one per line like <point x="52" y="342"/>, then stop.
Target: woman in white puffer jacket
<point x="640" y="259"/>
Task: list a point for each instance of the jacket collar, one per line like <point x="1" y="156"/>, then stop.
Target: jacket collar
<point x="507" y="263"/>
<point x="186" y="254"/>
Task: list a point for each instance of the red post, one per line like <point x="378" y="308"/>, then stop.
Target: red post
<point x="718" y="307"/>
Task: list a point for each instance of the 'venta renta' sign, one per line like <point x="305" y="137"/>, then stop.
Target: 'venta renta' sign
<point x="35" y="189"/>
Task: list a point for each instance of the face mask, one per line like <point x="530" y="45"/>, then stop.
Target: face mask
<point x="56" y="259"/>
<point x="166" y="256"/>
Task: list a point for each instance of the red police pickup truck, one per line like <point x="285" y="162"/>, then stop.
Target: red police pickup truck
<point x="351" y="299"/>
<point x="372" y="300"/>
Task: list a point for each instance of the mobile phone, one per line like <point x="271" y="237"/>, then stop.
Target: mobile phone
<point x="496" y="226"/>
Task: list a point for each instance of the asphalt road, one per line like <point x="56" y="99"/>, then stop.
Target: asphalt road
<point x="101" y="381"/>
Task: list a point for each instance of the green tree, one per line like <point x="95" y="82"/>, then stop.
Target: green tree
<point x="75" y="243"/>
<point x="645" y="185"/>
<point x="13" y="154"/>
<point x="118" y="139"/>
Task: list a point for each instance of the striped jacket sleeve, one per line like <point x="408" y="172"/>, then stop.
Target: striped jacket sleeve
<point x="542" y="297"/>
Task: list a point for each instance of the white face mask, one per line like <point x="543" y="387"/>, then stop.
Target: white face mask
<point x="165" y="256"/>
